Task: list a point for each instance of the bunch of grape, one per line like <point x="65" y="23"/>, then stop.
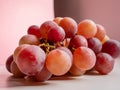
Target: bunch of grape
<point x="62" y="46"/>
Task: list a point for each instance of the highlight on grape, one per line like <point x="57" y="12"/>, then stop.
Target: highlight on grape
<point x="63" y="47"/>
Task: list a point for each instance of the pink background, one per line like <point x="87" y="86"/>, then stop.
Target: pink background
<point x="17" y="15"/>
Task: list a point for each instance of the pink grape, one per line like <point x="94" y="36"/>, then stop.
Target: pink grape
<point x="84" y="58"/>
<point x="58" y="62"/>
<point x="30" y="60"/>
<point x="69" y="25"/>
<point x="43" y="75"/>
<point x="104" y="63"/>
<point x="87" y="28"/>
<point x="95" y="44"/>
<point x="8" y="63"/>
<point x="34" y="30"/>
<point x="112" y="47"/>
<point x="56" y="34"/>
<point x="29" y="39"/>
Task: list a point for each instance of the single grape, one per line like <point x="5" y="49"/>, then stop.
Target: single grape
<point x="58" y="62"/>
<point x="112" y="47"/>
<point x="95" y="44"/>
<point x="87" y="28"/>
<point x="69" y="25"/>
<point x="8" y="63"/>
<point x="29" y="39"/>
<point x="101" y="32"/>
<point x="104" y="63"/>
<point x="34" y="30"/>
<point x="30" y="60"/>
<point x="15" y="70"/>
<point x="57" y="20"/>
<point x="56" y="34"/>
<point x="75" y="71"/>
<point x="77" y="41"/>
<point x="43" y="75"/>
<point x="44" y="28"/>
<point x="84" y="58"/>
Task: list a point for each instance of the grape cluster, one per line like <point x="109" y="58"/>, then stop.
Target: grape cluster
<point x="62" y="46"/>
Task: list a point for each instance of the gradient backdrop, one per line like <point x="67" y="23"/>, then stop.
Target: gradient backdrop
<point x="15" y="17"/>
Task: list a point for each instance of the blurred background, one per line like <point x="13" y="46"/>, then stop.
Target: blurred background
<point x="15" y="18"/>
<point x="17" y="15"/>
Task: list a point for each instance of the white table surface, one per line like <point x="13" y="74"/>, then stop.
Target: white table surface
<point x="85" y="82"/>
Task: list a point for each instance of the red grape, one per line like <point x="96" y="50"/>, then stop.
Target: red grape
<point x="104" y="63"/>
<point x="34" y="30"/>
<point x="95" y="44"/>
<point x="77" y="41"/>
<point x="56" y="34"/>
<point x="8" y="63"/>
<point x="112" y="47"/>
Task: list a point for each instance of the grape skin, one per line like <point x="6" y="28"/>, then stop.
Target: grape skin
<point x="58" y="62"/>
<point x="87" y="28"/>
<point x="84" y="58"/>
<point x="56" y="34"/>
<point x="95" y="44"/>
<point x="112" y="47"/>
<point x="29" y="39"/>
<point x="8" y="63"/>
<point x="77" y="41"/>
<point x="34" y="30"/>
<point x="31" y="60"/>
<point x="104" y="63"/>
